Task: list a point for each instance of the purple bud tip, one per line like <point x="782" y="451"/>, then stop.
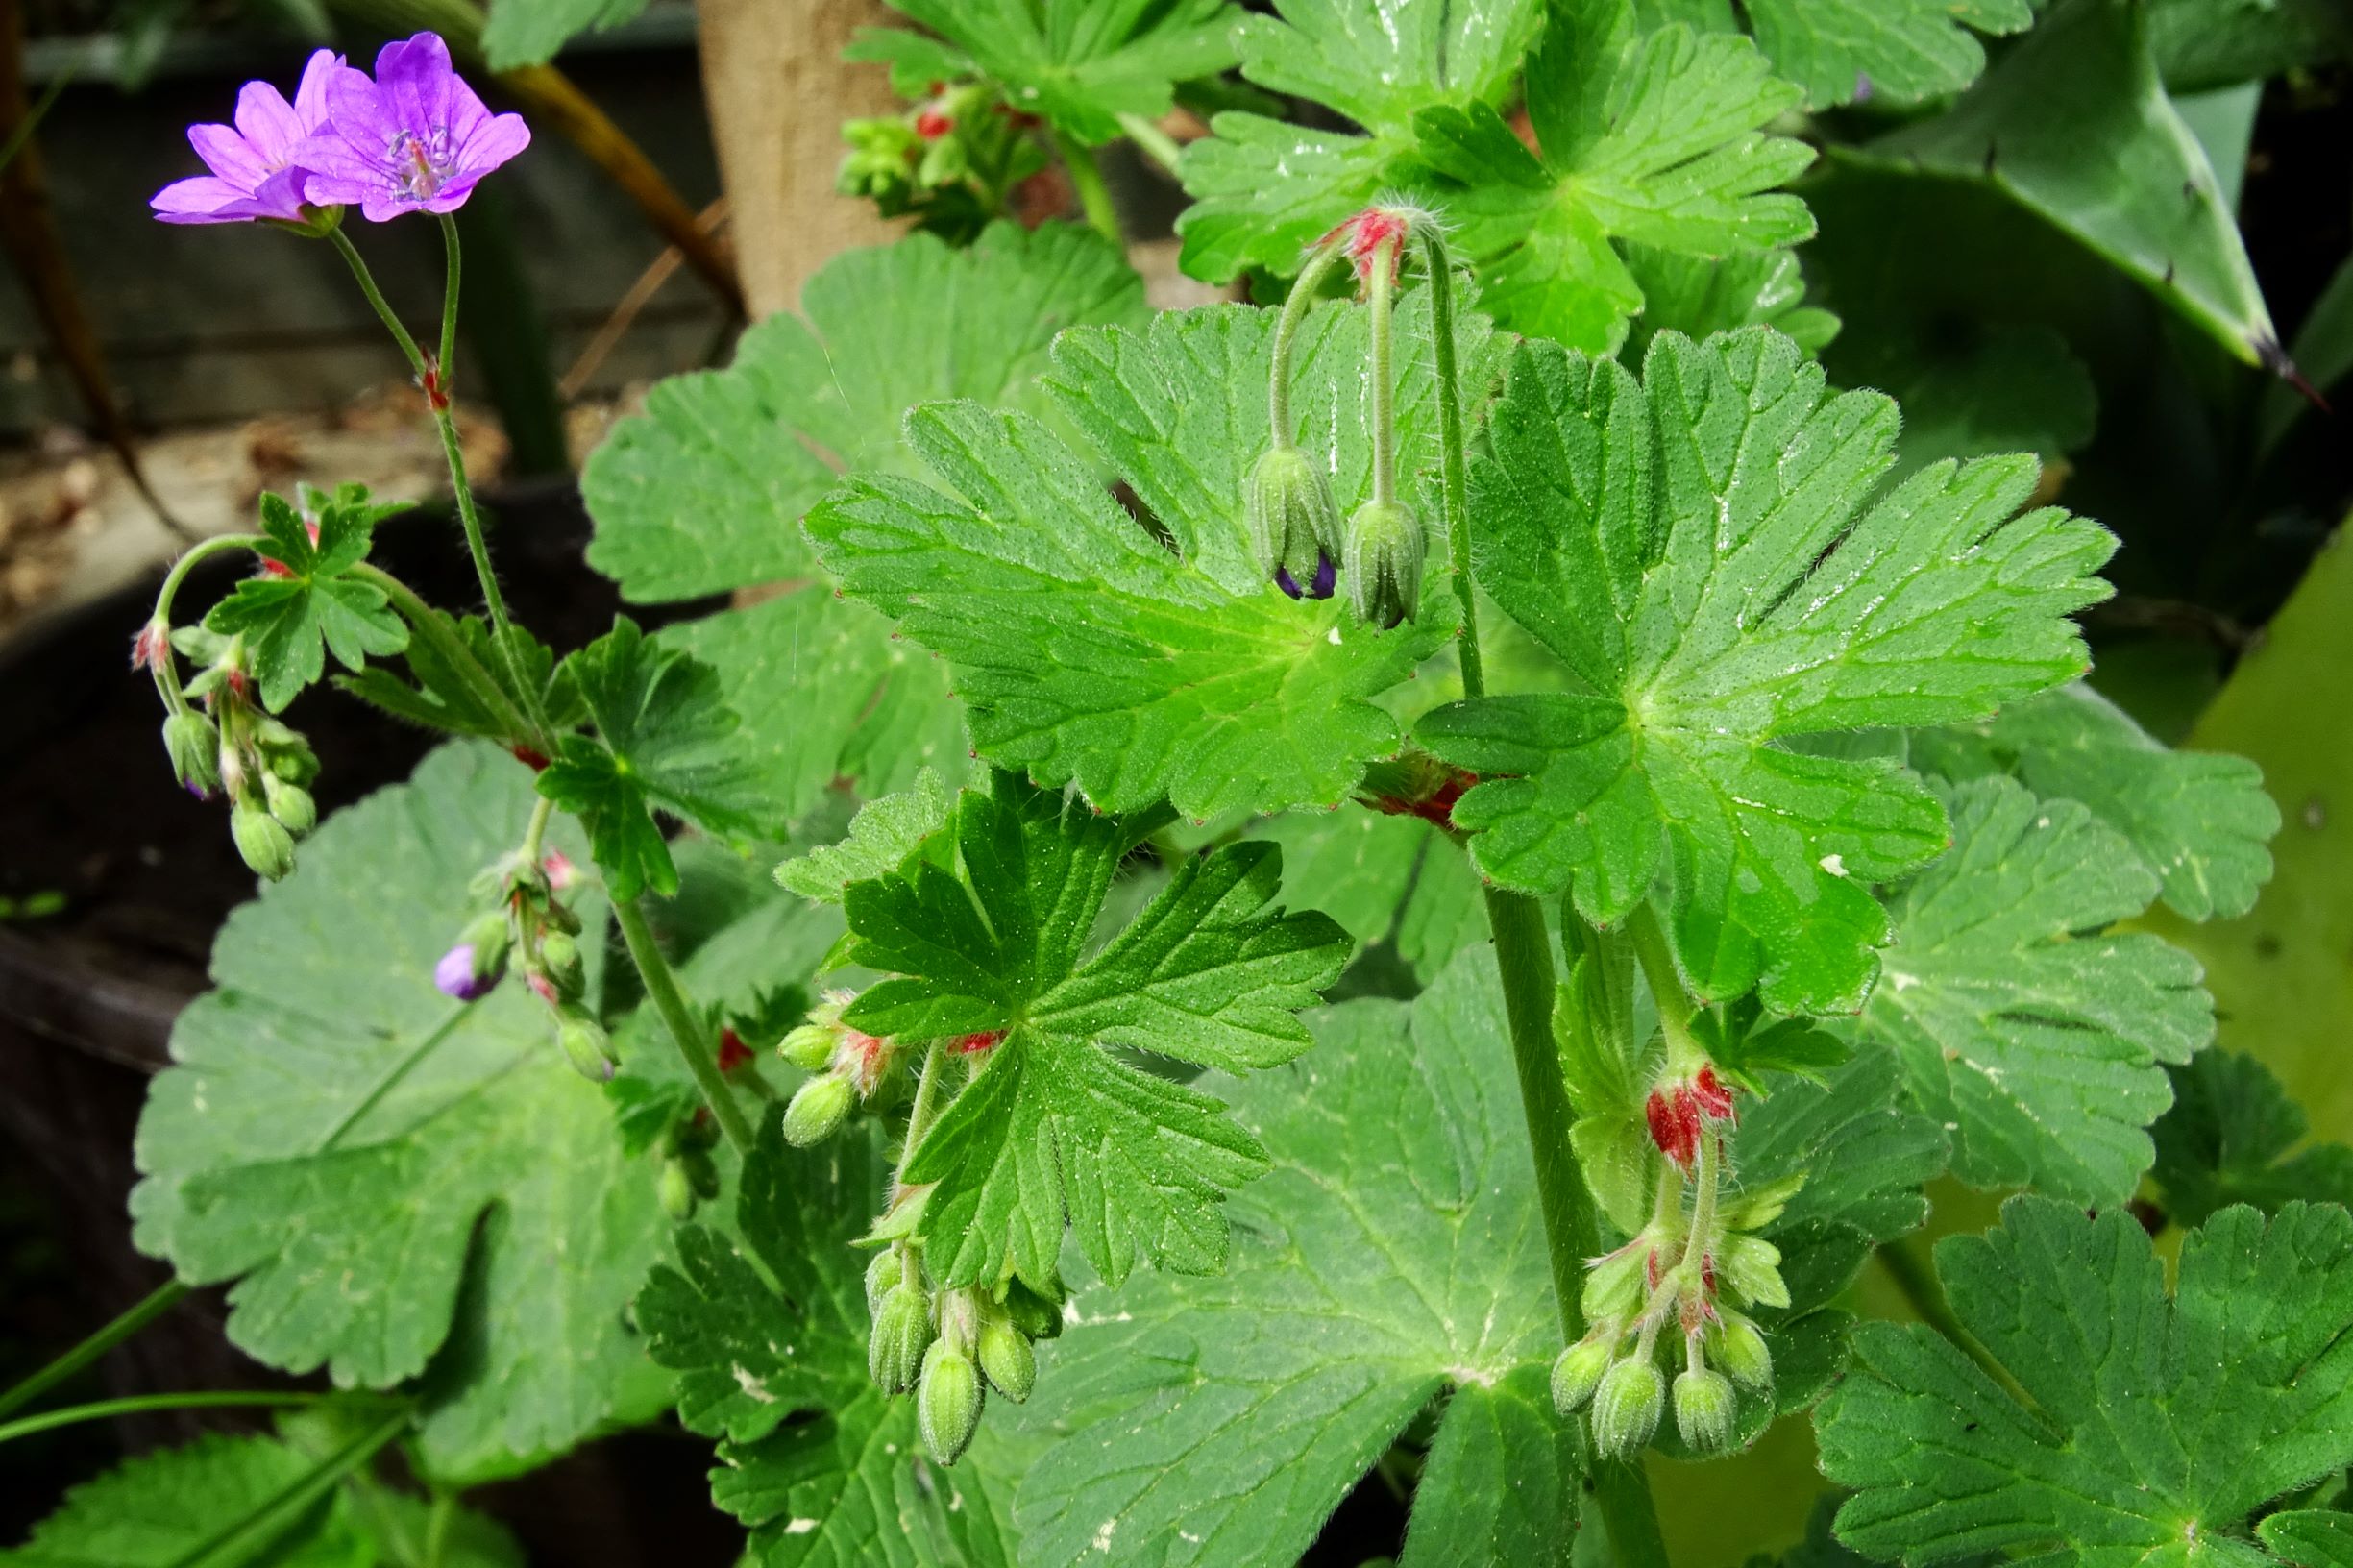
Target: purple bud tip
<point x="1283" y="581"/>
<point x="1326" y="574"/>
<point x="454" y="975"/>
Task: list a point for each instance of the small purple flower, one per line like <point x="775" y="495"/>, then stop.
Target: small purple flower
<point x="255" y="173"/>
<point x="1326" y="576"/>
<point x="456" y="977"/>
<point x="414" y="139"/>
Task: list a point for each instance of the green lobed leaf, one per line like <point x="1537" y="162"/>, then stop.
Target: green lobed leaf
<point x="1501" y="1481"/>
<point x="1395" y="1249"/>
<point x="2035" y="1033"/>
<point x="1700" y="296"/>
<point x="1700" y="549"/>
<point x="2157" y="1423"/>
<point x="705" y="489"/>
<point x="154" y="1510"/>
<point x="765" y="1323"/>
<point x="1083" y="646"/>
<point x="307" y="603"/>
<point x="2074" y="125"/>
<point x="2235" y="1135"/>
<point x="521" y="33"/>
<point x="1083" y="63"/>
<point x="1859" y="51"/>
<point x="2198" y="819"/>
<point x="460" y="1188"/>
<point x="2310" y="1537"/>
<point x="1052" y="1127"/>
<point x="1380" y="877"/>
<point x="883" y="834"/>
<point x="665" y="739"/>
<point x="2202" y="44"/>
<point x="445" y="696"/>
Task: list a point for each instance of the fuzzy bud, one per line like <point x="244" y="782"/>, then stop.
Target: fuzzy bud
<point x="1626" y="1407"/>
<point x="817" y="1109"/>
<point x="1577" y="1373"/>
<point x="1739" y="1347"/>
<point x="881" y="1275"/>
<point x="809" y="1048"/>
<point x="560" y="954"/>
<point x="1385" y="563"/>
<point x="677" y="1192"/>
<point x="454" y="977"/>
<point x="194" y="748"/>
<point x="1704" y="1407"/>
<point x="947" y="1404"/>
<point x="1006" y="1356"/>
<point x="1293" y="522"/>
<point x="291" y="804"/>
<point x="587" y="1047"/>
<point x="264" y="842"/>
<point x="902" y="1328"/>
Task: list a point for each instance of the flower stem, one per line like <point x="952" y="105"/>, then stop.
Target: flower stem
<point x="350" y="252"/>
<point x="926" y="1107"/>
<point x="1303" y="293"/>
<point x="165" y="669"/>
<point x="685" y="1032"/>
<point x="536" y="831"/>
<point x="450" y="251"/>
<point x="141" y="1405"/>
<point x="1087" y="177"/>
<point x="1383" y="285"/>
<point x="1158" y="146"/>
<point x="154" y="1305"/>
<point x="1454" y="483"/>
<point x="1676" y="1011"/>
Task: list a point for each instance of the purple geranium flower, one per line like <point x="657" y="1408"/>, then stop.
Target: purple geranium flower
<point x="458" y="978"/>
<point x="415" y="140"/>
<point x="255" y="173"/>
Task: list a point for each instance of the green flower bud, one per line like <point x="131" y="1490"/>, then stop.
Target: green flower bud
<point x="1006" y="1356"/>
<point x="1737" y="1346"/>
<point x="1750" y="1268"/>
<point x="817" y="1109"/>
<point x="488" y="937"/>
<point x="1577" y="1373"/>
<point x="291" y="804"/>
<point x="1704" y="1407"/>
<point x="701" y="1173"/>
<point x="194" y="747"/>
<point x="1383" y="563"/>
<point x="560" y="953"/>
<point x="809" y="1048"/>
<point x="586" y="1047"/>
<point x="1294" y="524"/>
<point x="883" y="1273"/>
<point x="947" y="1404"/>
<point x="902" y="1328"/>
<point x="264" y="842"/>
<point x="677" y="1192"/>
<point x="1626" y="1407"/>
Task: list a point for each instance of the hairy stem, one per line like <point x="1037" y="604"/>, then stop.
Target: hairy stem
<point x="685" y="1032"/>
<point x="1382" y="288"/>
<point x="1087" y="177"/>
<point x="926" y="1107"/>
<point x="1454" y="483"/>
<point x="535" y="832"/>
<point x="236" y="1542"/>
<point x="1676" y="1010"/>
<point x="154" y="1305"/>
<point x="167" y="669"/>
<point x="451" y="254"/>
<point x="384" y="312"/>
<point x="1523" y="953"/>
<point x="1622" y="1490"/>
<point x="105" y="1409"/>
<point x="1303" y="294"/>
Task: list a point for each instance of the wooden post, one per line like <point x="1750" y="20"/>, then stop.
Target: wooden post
<point x="779" y="93"/>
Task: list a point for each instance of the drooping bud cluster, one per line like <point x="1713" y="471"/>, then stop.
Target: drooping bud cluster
<point x="689" y="1176"/>
<point x="847" y="1066"/>
<point x="1287" y="507"/>
<point x="1683" y="1275"/>
<point x="952" y="1346"/>
<point x="529" y="927"/>
<point x="953" y="159"/>
<point x="264" y="765"/>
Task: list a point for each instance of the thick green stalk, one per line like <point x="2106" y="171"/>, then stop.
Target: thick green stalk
<point x="662" y="986"/>
<point x="235" y="1543"/>
<point x="1676" y="1011"/>
<point x="1453" y="482"/>
<point x="1382" y="286"/>
<point x="1087" y="177"/>
<point x="162" y="1301"/>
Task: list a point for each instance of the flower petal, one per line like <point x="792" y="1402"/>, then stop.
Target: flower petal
<point x="204" y="199"/>
<point x="226" y="153"/>
<point x="416" y="79"/>
<point x="311" y="96"/>
<point x="498" y="139"/>
<point x="267" y="122"/>
<point x="356" y="115"/>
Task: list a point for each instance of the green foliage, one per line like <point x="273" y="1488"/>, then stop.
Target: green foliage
<point x="2157" y="1423"/>
<point x="458" y="1187"/>
<point x="2233" y="1136"/>
<point x="663" y="740"/>
<point x="163" y="1509"/>
<point x="1382" y="878"/>
<point x="1701" y="550"/>
<point x="307" y="602"/>
<point x="764" y="1324"/>
<point x="883" y="834"/>
<point x="1855" y="51"/>
<point x="1086" y="648"/>
<point x="2029" y="1028"/>
<point x="1053" y="1126"/>
<point x="520" y="33"/>
<point x="448" y="694"/>
<point x="1080" y="64"/>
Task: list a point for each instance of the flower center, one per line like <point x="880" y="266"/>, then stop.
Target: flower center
<point x="421" y="164"/>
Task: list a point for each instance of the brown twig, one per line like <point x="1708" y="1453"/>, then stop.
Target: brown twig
<point x="641" y="293"/>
